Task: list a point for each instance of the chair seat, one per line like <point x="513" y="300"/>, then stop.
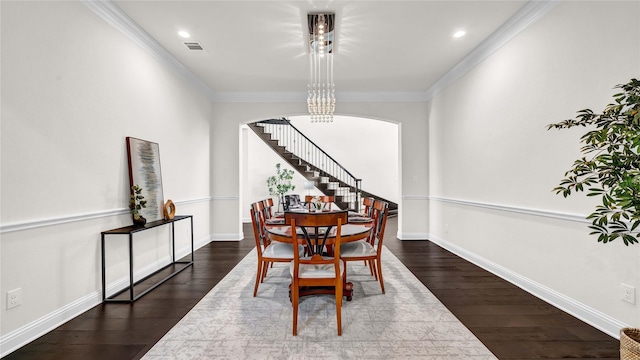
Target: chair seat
<point x="279" y="250"/>
<point x="316" y="271"/>
<point x="357" y="249"/>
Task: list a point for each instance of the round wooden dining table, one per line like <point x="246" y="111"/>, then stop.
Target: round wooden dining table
<point x="349" y="232"/>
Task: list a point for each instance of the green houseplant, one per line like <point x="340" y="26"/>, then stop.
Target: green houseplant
<point x="280" y="183"/>
<point x="610" y="167"/>
<point x="137" y="203"/>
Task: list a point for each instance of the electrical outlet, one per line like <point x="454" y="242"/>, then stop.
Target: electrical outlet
<point x="14" y="298"/>
<point x="628" y="293"/>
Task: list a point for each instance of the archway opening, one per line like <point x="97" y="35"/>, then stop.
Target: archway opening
<point x="368" y="148"/>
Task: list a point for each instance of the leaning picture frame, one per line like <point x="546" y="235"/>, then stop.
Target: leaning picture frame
<point x="145" y="171"/>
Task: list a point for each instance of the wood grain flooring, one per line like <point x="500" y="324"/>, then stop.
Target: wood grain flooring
<point x="510" y="322"/>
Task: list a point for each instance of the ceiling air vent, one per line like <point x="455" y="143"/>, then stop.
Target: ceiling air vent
<point x="193" y="45"/>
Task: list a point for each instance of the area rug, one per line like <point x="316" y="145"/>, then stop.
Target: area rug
<point x="406" y="322"/>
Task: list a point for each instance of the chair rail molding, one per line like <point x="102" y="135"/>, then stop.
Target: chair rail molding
<point x="415" y="197"/>
<point x="515" y="209"/>
<point x="225" y="197"/>
<point x="38" y="223"/>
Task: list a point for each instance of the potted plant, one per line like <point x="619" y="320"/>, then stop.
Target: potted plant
<point x="136" y="203"/>
<point x="280" y="183"/>
<point x="610" y="168"/>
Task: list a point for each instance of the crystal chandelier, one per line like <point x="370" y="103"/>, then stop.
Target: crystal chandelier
<point x="321" y="100"/>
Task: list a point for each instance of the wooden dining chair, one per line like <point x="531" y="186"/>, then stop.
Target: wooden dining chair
<point x="368" y="206"/>
<point x="326" y="200"/>
<point x="268" y="206"/>
<point x="268" y="252"/>
<point x="369" y="250"/>
<point x="308" y="200"/>
<point x="316" y="269"/>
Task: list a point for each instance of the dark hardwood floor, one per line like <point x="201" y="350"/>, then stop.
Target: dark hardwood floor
<point x="509" y="321"/>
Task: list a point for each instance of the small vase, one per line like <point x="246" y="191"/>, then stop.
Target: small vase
<point x="140" y="221"/>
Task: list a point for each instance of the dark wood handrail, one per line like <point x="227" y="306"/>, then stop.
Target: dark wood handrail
<point x="327" y="155"/>
<point x="283" y="121"/>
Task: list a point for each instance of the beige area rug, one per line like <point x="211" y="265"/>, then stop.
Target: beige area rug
<point x="406" y="322"/>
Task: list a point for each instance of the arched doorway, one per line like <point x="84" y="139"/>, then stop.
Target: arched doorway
<point x="369" y="148"/>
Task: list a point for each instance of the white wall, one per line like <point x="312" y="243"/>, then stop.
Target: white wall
<point x="476" y="177"/>
<point x="227" y="179"/>
<point x="368" y="148"/>
<point x="261" y="161"/>
<point x="494" y="164"/>
<point x="73" y="88"/>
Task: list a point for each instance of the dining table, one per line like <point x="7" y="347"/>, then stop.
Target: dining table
<point x="321" y="242"/>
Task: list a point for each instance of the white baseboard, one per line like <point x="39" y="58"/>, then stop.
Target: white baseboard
<point x="25" y="334"/>
<point x="33" y="330"/>
<point x="412" y="236"/>
<point x="227" y="237"/>
<point x="591" y="316"/>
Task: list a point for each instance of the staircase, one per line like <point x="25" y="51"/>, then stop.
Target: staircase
<point x="314" y="164"/>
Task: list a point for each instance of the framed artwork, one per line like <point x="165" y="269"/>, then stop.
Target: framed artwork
<point x="144" y="171"/>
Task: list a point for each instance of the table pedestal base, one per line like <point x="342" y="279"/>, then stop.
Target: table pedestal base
<point x="347" y="290"/>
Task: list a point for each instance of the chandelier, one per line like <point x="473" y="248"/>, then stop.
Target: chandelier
<point x="321" y="100"/>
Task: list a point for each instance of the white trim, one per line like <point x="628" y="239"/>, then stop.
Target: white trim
<point x="33" y="330"/>
<point x="193" y="201"/>
<point x="227" y="237"/>
<point x="531" y="12"/>
<point x="112" y="14"/>
<point x="381" y="97"/>
<point x="591" y="316"/>
<point x="527" y="15"/>
<point x="123" y="282"/>
<point x="412" y="236"/>
<point x="415" y="197"/>
<point x="260" y="97"/>
<point x="225" y="197"/>
<point x="301" y="97"/>
<point x="516" y="209"/>
<point x="38" y="223"/>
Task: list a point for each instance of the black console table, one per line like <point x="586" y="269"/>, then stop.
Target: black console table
<point x="130" y="230"/>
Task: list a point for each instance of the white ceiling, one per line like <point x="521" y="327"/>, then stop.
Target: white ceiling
<point x="259" y="46"/>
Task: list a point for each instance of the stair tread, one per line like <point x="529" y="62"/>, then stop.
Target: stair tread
<point x="326" y="183"/>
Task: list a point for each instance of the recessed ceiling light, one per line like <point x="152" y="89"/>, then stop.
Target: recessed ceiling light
<point x="459" y="33"/>
<point x="184" y="34"/>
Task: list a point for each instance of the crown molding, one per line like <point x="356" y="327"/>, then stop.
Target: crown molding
<point x="532" y="11"/>
<point x="378" y="97"/>
<point x="259" y="97"/>
<point x="114" y="16"/>
<point x="301" y="97"/>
